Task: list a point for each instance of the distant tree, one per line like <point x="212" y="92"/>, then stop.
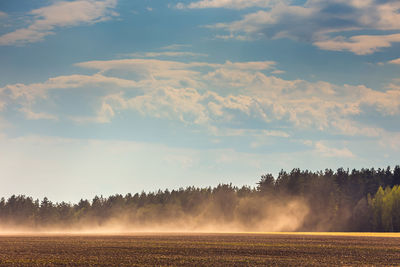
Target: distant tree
<point x="267" y="184"/>
<point x="360" y="200"/>
<point x="396" y="175"/>
<point x="48" y="213"/>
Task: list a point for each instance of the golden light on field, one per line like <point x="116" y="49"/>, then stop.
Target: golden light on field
<point x="365" y="234"/>
<point x="183" y="233"/>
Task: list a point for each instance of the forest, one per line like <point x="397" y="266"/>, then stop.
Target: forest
<point x="341" y="200"/>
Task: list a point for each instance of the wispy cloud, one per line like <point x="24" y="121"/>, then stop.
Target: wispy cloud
<point x="249" y="132"/>
<point x="214" y="94"/>
<point x="278" y="72"/>
<point x="233" y="4"/>
<point x="103" y="115"/>
<point x="135" y="64"/>
<point x="32" y="91"/>
<point x="395" y="61"/>
<point x="26" y="96"/>
<point x="166" y="54"/>
<point x="31" y="115"/>
<point x="60" y="14"/>
<point x="320" y="22"/>
<point x="175" y="47"/>
<point x="326" y="151"/>
<point x="360" y="44"/>
<point x="173" y="89"/>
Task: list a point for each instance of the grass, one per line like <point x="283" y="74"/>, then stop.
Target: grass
<point x="235" y="249"/>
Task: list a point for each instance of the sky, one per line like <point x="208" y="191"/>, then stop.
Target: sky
<point x="99" y="97"/>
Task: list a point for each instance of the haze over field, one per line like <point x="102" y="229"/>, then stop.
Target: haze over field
<point x="251" y="214"/>
<point x="296" y="201"/>
<point x="99" y="97"/>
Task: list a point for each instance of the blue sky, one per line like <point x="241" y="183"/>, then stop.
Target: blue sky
<point x="113" y="96"/>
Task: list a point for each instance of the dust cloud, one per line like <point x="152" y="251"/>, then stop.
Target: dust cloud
<point x="222" y="213"/>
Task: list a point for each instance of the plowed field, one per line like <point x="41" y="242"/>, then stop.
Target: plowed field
<point x="198" y="250"/>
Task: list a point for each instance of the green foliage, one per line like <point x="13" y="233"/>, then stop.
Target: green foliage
<point x="385" y="209"/>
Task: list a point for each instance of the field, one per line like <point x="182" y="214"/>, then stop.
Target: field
<point x="199" y="249"/>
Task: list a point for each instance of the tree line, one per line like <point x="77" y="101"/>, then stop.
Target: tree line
<point x="300" y="200"/>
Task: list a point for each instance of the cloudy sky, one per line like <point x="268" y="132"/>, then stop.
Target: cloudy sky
<point x="117" y="96"/>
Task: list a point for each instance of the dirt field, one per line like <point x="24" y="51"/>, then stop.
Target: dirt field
<point x="198" y="250"/>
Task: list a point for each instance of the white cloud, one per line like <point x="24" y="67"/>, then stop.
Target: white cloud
<point x="211" y="94"/>
<point x="249" y="65"/>
<point x="26" y="96"/>
<point x="278" y="72"/>
<point x="3" y="14"/>
<point x="31" y="115"/>
<point x="32" y="91"/>
<point x="233" y="4"/>
<point x="153" y="72"/>
<point x="160" y="66"/>
<point x="175" y="46"/>
<point x="176" y="104"/>
<point x="103" y="115"/>
<point x="360" y="44"/>
<point x="390" y="140"/>
<point x="249" y="132"/>
<point x="395" y="61"/>
<point x="320" y="23"/>
<point x="233" y="36"/>
<point x="352" y="128"/>
<point x="60" y="14"/>
<point x="326" y="151"/>
<point x="167" y="54"/>
<point x="319" y="105"/>
<point x="267" y="23"/>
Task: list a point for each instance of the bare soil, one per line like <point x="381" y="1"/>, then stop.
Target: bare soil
<point x="198" y="250"/>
